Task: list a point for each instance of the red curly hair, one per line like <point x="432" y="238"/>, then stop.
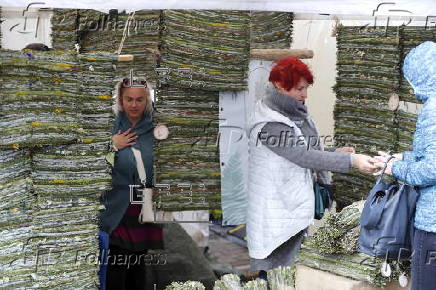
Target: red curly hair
<point x="288" y="72"/>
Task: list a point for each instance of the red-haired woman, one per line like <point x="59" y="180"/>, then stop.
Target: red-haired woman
<point x="284" y="159"/>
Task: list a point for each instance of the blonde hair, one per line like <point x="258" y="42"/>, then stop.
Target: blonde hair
<point x="124" y="84"/>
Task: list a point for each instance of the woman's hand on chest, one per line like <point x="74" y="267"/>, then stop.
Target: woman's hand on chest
<point x="124" y="139"/>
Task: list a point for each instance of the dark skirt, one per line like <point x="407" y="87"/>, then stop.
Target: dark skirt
<point x="133" y="236"/>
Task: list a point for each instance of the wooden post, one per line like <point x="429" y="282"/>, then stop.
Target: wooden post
<point x="276" y="54"/>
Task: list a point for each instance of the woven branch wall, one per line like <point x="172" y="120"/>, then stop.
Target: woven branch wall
<point x="189" y="160"/>
<point x="142" y="43"/>
<point x="97" y="31"/>
<point x="65" y="29"/>
<point x="271" y="30"/>
<point x="0" y="27"/>
<point x="142" y="35"/>
<point x="55" y="121"/>
<point x="369" y="74"/>
<point x="213" y="44"/>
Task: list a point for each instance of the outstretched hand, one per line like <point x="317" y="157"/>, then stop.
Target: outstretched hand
<point x="124" y="139"/>
<point x="364" y="163"/>
<point x="346" y="150"/>
<point x="382" y="158"/>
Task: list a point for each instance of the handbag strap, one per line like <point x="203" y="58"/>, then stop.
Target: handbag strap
<point x="139" y="165"/>
<point x="143" y="178"/>
<point x="384" y="169"/>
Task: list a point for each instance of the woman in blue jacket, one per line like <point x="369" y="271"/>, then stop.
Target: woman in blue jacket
<point x="418" y="167"/>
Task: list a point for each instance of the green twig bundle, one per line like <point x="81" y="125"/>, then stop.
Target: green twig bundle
<point x="228" y="282"/>
<point x="339" y="233"/>
<point x="189" y="285"/>
<point x="282" y="278"/>
<point x="333" y="248"/>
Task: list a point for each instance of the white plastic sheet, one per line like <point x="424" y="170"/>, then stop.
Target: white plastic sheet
<point x="363" y="7"/>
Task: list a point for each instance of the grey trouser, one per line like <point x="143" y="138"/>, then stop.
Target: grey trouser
<point x="284" y="255"/>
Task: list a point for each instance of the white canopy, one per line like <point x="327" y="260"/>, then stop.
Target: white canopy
<point x="341" y="7"/>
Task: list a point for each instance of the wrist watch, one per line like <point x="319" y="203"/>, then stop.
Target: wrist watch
<point x="113" y="147"/>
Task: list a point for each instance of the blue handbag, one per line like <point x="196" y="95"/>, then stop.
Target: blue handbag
<point x="386" y="224"/>
<point x="323" y="199"/>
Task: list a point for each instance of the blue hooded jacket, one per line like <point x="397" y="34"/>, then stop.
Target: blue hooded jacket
<point x="125" y="173"/>
<point x="418" y="167"/>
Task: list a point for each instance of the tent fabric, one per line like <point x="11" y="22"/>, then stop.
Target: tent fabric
<point x="364" y="7"/>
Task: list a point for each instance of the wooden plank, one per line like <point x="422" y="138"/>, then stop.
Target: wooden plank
<point x="276" y="54"/>
<point x="328" y="281"/>
<point x="125" y="57"/>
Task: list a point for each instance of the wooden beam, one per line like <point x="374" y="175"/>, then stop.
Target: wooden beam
<point x="276" y="54"/>
<point x="125" y="57"/>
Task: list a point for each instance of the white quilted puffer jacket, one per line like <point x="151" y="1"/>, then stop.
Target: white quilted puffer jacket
<point x="280" y="193"/>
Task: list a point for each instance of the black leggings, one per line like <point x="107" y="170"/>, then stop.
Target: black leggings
<point x="125" y="269"/>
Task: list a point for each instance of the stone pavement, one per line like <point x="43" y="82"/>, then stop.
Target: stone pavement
<point x="227" y="251"/>
<point x="229" y="254"/>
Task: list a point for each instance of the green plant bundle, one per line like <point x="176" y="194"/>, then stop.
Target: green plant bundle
<point x="228" y="282"/>
<point x="188" y="285"/>
<point x="357" y="266"/>
<point x="257" y="284"/>
<point x="333" y="248"/>
<point x="282" y="277"/>
<point x="339" y="233"/>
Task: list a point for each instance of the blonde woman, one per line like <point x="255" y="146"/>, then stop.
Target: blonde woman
<point x="128" y="239"/>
